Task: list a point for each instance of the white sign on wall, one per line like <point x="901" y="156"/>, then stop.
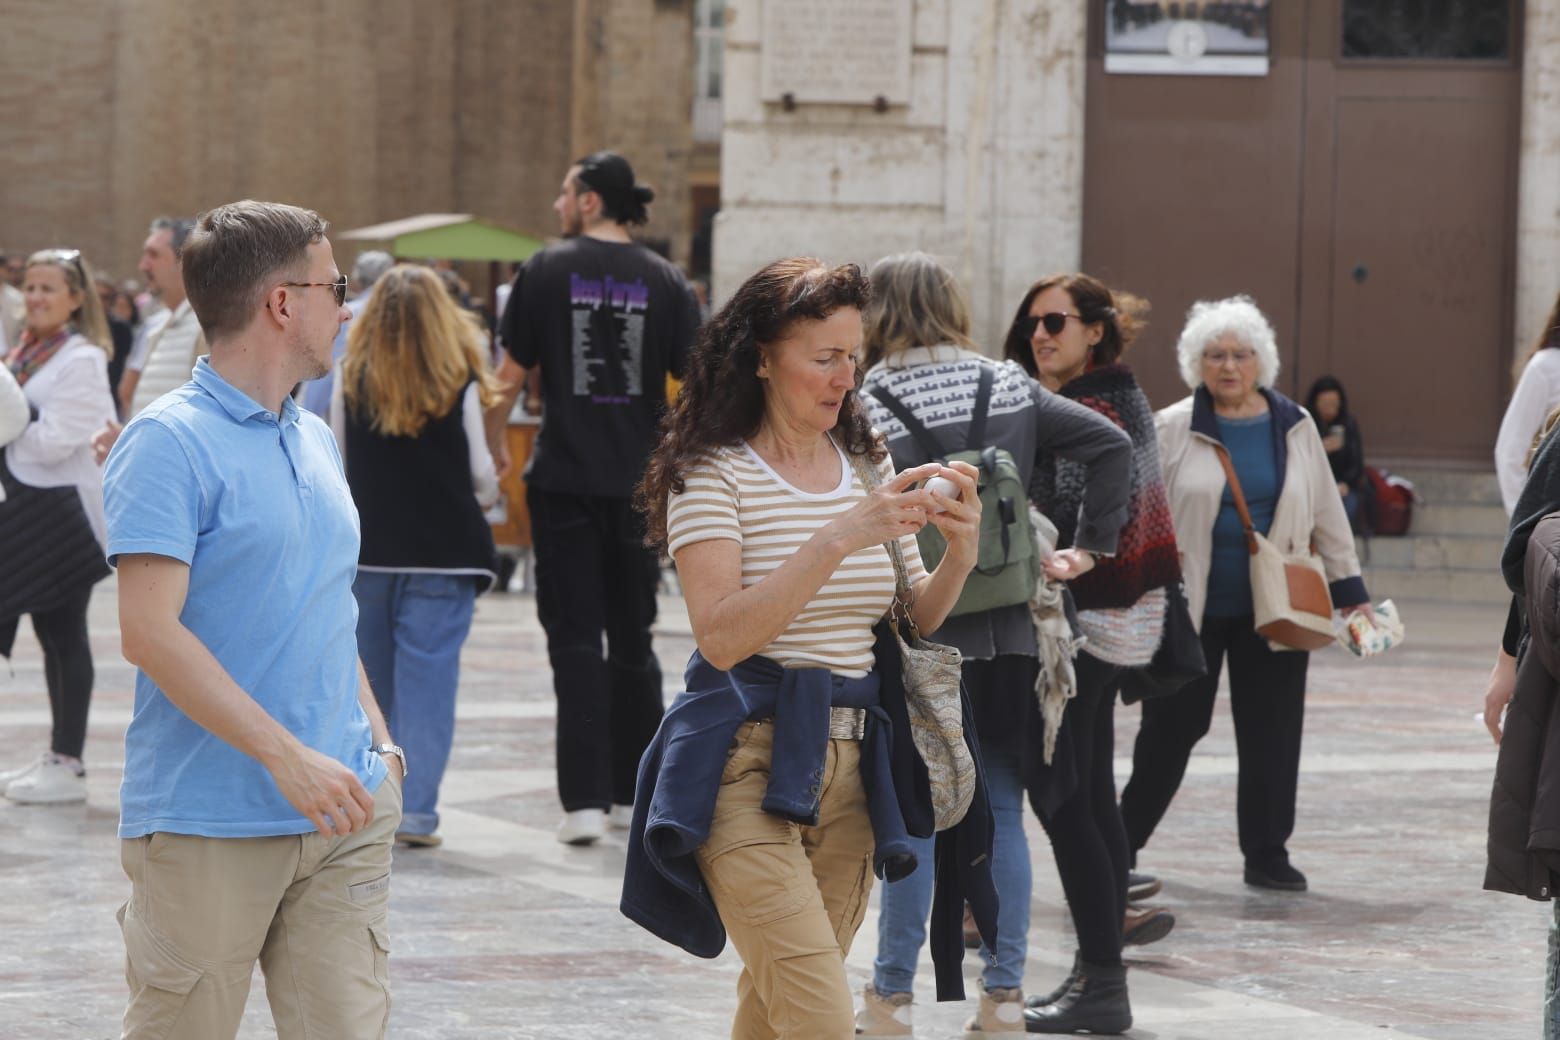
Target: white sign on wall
<point x="849" y="52"/>
<point x="1154" y="37"/>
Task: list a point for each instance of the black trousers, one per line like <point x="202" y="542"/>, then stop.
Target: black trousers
<point x="67" y="670"/>
<point x="593" y="577"/>
<point x="1267" y="700"/>
<point x="1087" y="837"/>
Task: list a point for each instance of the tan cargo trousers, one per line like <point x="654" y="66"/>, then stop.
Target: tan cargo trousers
<point x="791" y="897"/>
<point x="313" y="910"/>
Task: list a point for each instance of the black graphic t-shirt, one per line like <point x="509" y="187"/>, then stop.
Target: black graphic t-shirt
<point x="607" y="321"/>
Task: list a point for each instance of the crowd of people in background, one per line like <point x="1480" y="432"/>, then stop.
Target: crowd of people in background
<point x="837" y="454"/>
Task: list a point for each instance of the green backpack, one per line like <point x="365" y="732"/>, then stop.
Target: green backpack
<point x="1007" y="569"/>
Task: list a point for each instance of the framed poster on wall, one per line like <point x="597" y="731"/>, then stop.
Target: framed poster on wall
<point x="1186" y="37"/>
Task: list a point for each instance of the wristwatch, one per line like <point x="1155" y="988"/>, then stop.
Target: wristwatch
<point x="392" y="749"/>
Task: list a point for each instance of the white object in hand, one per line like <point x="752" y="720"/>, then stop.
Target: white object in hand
<point x="944" y="487"/>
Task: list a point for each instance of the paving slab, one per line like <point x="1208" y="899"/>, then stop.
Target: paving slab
<point x="503" y="934"/>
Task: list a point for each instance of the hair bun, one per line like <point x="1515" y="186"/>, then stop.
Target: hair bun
<point x="644" y="195"/>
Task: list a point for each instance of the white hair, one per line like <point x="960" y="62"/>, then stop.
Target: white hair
<point x="1238" y="316"/>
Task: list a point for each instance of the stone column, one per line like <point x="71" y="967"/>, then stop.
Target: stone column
<point x="983" y="167"/>
<point x="1538" y="178"/>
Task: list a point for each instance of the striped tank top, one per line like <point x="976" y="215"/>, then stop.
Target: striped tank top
<point x="735" y="495"/>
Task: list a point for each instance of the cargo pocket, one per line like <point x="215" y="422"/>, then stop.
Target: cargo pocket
<point x="160" y="980"/>
<point x="379" y="943"/>
<point x="757" y="880"/>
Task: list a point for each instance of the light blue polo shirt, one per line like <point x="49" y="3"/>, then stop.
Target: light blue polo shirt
<point x="261" y="512"/>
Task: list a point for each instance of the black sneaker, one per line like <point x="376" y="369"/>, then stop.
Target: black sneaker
<point x="1279" y="876"/>
<point x="1141" y="886"/>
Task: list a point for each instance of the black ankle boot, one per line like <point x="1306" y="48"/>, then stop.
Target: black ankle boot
<point x="1095" y="1003"/>
<point x="1056" y="994"/>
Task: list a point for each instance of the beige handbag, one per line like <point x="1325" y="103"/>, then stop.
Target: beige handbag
<point x="932" y="674"/>
<point x="1289" y="592"/>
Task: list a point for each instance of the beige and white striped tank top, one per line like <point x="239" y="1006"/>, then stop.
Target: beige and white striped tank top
<point x="735" y="495"/>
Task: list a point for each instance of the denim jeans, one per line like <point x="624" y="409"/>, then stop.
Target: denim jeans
<point x="410" y="629"/>
<point x="907" y="903"/>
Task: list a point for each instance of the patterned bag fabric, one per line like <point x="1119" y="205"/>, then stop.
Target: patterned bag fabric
<point x="932" y="676"/>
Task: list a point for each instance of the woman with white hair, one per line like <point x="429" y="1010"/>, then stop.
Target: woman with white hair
<point x="1229" y="359"/>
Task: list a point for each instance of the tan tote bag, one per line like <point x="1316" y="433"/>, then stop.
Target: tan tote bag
<point x="1293" y="606"/>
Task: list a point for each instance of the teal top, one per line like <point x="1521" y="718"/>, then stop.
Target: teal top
<point x="1250" y="444"/>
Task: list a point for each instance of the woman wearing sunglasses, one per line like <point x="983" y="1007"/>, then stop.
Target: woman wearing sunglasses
<point x="61" y="364"/>
<point x="1229" y="360"/>
<point x="1070" y="333"/>
<point x="406" y="409"/>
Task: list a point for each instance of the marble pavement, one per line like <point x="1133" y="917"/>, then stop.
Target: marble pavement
<point x="502" y="933"/>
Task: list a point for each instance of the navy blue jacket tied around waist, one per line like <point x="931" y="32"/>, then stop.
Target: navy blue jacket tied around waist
<point x="679" y="779"/>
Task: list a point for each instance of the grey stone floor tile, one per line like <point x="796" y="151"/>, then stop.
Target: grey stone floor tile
<point x="502" y="933"/>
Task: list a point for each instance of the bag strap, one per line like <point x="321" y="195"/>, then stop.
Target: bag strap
<point x="929" y="444"/>
<point x="1240" y="496"/>
<point x="896" y="554"/>
<point x="977" y="436"/>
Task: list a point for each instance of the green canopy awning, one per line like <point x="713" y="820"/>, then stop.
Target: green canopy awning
<point x="448" y="236"/>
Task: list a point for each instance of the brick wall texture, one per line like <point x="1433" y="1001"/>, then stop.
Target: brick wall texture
<point x="116" y="111"/>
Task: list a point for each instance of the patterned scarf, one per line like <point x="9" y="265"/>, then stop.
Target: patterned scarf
<point x="1146" y="556"/>
<point x="32" y="353"/>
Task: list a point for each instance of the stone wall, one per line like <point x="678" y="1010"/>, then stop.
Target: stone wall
<point x="1538" y="187"/>
<point x="366" y="110"/>
<point x="995" y="115"/>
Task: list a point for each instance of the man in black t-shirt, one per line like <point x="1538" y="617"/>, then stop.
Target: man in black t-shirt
<point x="606" y="320"/>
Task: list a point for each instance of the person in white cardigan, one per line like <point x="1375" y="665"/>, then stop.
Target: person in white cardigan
<point x="60" y="364"/>
<point x="1229" y="359"/>
<point x="1537" y="394"/>
<point x="13" y="411"/>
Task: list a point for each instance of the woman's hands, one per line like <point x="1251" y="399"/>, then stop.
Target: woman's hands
<point x="1503" y="683"/>
<point x="959" y="518"/>
<point x="895" y="508"/>
<point x="1067" y="564"/>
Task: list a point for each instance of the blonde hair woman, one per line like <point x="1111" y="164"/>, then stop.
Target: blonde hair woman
<point x="407" y="411"/>
<point x="61" y="363"/>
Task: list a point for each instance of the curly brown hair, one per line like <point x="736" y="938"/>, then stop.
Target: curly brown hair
<point x="721" y="403"/>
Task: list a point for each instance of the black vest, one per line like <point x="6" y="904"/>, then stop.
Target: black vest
<point x="416" y="501"/>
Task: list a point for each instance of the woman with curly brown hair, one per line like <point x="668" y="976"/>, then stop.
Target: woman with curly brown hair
<point x="767" y="800"/>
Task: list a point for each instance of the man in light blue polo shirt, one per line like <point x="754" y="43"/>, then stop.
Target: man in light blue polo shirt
<point x="255" y="820"/>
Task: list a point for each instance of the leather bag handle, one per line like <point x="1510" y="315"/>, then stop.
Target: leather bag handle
<point x="1240" y="497"/>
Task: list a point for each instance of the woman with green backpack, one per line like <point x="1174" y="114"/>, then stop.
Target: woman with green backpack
<point x="935" y="397"/>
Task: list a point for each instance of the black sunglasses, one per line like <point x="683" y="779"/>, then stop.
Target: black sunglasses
<point x="340" y="285"/>
<point x="1054" y="322"/>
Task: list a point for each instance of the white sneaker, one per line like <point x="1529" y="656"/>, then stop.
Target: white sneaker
<point x="621" y="818"/>
<point x="882" y="1015"/>
<point x="583" y="827"/>
<point x="53" y="782"/>
<point x="16" y="774"/>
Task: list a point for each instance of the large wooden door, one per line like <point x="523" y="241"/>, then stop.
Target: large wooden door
<point x="1408" y="246"/>
<point x="1363" y="192"/>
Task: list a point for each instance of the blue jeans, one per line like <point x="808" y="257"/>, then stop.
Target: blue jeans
<point x="410" y="629"/>
<point x="907" y="903"/>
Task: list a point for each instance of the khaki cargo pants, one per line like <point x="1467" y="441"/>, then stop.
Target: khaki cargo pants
<point x="791" y="897"/>
<point x="313" y="910"/>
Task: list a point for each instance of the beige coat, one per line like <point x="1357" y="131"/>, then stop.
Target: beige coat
<point x="1309" y="510"/>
